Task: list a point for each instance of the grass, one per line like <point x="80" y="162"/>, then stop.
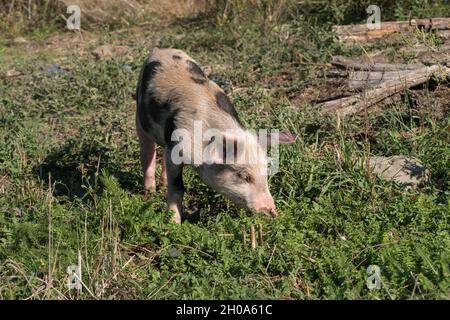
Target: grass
<point x="70" y="183"/>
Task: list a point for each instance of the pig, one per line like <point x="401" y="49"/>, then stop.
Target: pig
<point x="172" y="95"/>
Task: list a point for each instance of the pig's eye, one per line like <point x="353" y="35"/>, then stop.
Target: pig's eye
<point x="245" y="177"/>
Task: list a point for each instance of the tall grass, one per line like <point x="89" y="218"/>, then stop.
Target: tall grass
<point x="334" y="11"/>
<point x="18" y="17"/>
<point x="31" y="16"/>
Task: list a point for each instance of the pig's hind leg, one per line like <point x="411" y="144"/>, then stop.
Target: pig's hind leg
<point x="148" y="157"/>
<point x="163" y="178"/>
<point x="175" y="187"/>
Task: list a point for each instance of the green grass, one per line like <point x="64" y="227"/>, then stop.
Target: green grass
<point x="70" y="184"/>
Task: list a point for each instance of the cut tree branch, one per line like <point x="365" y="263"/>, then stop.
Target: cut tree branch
<point x="343" y="62"/>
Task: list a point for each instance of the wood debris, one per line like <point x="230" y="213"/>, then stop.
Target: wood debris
<point x="370" y="82"/>
<point x="356" y="103"/>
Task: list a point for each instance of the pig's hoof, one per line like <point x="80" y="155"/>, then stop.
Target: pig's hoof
<point x="163" y="186"/>
<point x="149" y="190"/>
<point x="163" y="182"/>
<point x="149" y="185"/>
<point x="177" y="219"/>
<point x="273" y="214"/>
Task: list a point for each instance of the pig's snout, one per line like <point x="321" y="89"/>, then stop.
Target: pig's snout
<point x="265" y="204"/>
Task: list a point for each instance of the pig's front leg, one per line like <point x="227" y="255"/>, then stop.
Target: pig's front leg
<point x="175" y="186"/>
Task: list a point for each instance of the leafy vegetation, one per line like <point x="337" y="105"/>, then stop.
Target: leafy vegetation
<point x="70" y="182"/>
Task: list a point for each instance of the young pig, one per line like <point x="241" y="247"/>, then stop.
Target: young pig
<point x="174" y="98"/>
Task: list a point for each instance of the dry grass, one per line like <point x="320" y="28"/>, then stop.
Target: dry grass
<point x="18" y="16"/>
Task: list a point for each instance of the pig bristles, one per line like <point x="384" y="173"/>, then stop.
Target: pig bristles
<point x="253" y="237"/>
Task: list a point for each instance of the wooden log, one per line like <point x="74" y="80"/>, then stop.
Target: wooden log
<point x="348" y="63"/>
<point x="364" y="79"/>
<point x="361" y="33"/>
<point x="445" y="34"/>
<point x="334" y="73"/>
<point x="356" y="103"/>
<point x="444" y="48"/>
<point x="431" y="23"/>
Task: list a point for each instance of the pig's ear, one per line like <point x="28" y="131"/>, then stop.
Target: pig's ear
<point x="284" y="137"/>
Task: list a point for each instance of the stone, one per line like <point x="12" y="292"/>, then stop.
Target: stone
<point x="13" y="73"/>
<point x="54" y="70"/>
<point x="127" y="68"/>
<point x="401" y="169"/>
<point x="174" y="253"/>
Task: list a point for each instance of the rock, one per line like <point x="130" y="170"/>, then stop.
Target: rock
<point x="20" y="40"/>
<point x="54" y="70"/>
<point x="174" y="253"/>
<point x="403" y="170"/>
<point x="13" y="73"/>
<point x="109" y="51"/>
<point x="127" y="68"/>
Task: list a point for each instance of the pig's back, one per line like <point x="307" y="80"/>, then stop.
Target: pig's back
<point x="173" y="91"/>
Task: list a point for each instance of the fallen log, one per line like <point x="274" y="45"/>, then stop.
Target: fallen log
<point x="431" y="23"/>
<point x="348" y="63"/>
<point x="364" y="79"/>
<point x="445" y="34"/>
<point x="357" y="103"/>
<point x="361" y="32"/>
<point x="444" y="48"/>
<point x="433" y="59"/>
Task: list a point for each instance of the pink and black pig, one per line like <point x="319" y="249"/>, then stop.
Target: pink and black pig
<point x="175" y="99"/>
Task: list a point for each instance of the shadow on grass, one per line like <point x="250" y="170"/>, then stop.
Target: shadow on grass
<point x="75" y="169"/>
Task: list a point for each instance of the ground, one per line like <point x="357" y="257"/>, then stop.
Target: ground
<point x="71" y="188"/>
